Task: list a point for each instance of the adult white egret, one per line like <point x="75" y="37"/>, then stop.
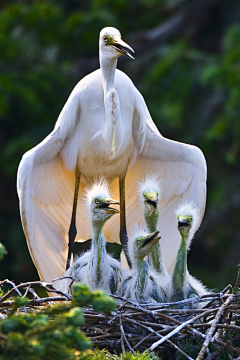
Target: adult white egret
<point x="141" y="285"/>
<point x="183" y="284"/>
<point x="96" y="268"/>
<point x="103" y="129"/>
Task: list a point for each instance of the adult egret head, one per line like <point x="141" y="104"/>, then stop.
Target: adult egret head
<point x="111" y="45"/>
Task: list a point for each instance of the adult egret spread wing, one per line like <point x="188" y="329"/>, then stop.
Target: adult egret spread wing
<point x="103" y="129"/>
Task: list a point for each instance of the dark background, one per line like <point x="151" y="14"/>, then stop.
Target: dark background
<point x="188" y="69"/>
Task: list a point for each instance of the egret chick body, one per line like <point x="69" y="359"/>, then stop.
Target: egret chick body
<point x="184" y="285"/>
<point x="150" y="192"/>
<point x="141" y="284"/>
<point x="96" y="268"/>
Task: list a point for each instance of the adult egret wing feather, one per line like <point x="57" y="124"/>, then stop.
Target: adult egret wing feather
<point x="46" y="188"/>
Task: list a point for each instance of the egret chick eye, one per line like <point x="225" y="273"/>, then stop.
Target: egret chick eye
<point x="96" y="201"/>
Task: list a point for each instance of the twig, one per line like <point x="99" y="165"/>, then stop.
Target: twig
<point x="35" y="295"/>
<point x="141" y="341"/>
<point x="213" y="327"/>
<point x="122" y="341"/>
<point x="124" y="336"/>
<point x="237" y="280"/>
<point x="47" y="286"/>
<point x="26" y="291"/>
<point x="35" y="302"/>
<point x="178" y="328"/>
<point x="159" y="335"/>
<point x="15" y="288"/>
<point x="219" y="326"/>
<point x="63" y="277"/>
<point x="215" y="354"/>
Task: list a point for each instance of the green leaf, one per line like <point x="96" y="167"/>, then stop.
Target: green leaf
<point x="102" y="302"/>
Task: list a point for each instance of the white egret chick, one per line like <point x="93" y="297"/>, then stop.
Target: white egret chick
<point x="150" y="192"/>
<point x="141" y="284"/>
<point x="104" y="129"/>
<point x="96" y="268"/>
<point x="184" y="285"/>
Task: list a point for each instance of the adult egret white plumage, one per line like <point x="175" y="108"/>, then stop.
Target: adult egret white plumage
<point x="96" y="268"/>
<point x="141" y="284"/>
<point x="103" y="129"/>
<point x="183" y="284"/>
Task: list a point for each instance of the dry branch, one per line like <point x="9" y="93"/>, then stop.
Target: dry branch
<point x="213" y="327"/>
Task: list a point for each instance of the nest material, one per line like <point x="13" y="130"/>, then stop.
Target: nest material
<point x="158" y="327"/>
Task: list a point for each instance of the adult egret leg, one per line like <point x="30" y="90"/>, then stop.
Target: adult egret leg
<point x="73" y="229"/>
<point x="123" y="228"/>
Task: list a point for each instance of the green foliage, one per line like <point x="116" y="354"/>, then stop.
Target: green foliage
<point x="190" y="347"/>
<point x="99" y="300"/>
<point x="106" y="355"/>
<point x="51" y="333"/>
<point x="3" y="251"/>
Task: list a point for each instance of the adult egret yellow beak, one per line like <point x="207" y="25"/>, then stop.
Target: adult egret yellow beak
<point x="123" y="47"/>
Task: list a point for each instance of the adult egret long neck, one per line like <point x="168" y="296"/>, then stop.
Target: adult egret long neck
<point x="113" y="133"/>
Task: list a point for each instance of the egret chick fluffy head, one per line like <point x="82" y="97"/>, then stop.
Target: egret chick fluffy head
<point x="97" y="201"/>
<point x="141" y="243"/>
<point x="189" y="215"/>
<point x="149" y="191"/>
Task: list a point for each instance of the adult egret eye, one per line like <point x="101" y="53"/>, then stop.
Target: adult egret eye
<point x="96" y="201"/>
<point x="138" y="242"/>
<point x="105" y="38"/>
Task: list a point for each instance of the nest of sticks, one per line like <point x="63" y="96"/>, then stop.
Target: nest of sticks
<point x="154" y="327"/>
